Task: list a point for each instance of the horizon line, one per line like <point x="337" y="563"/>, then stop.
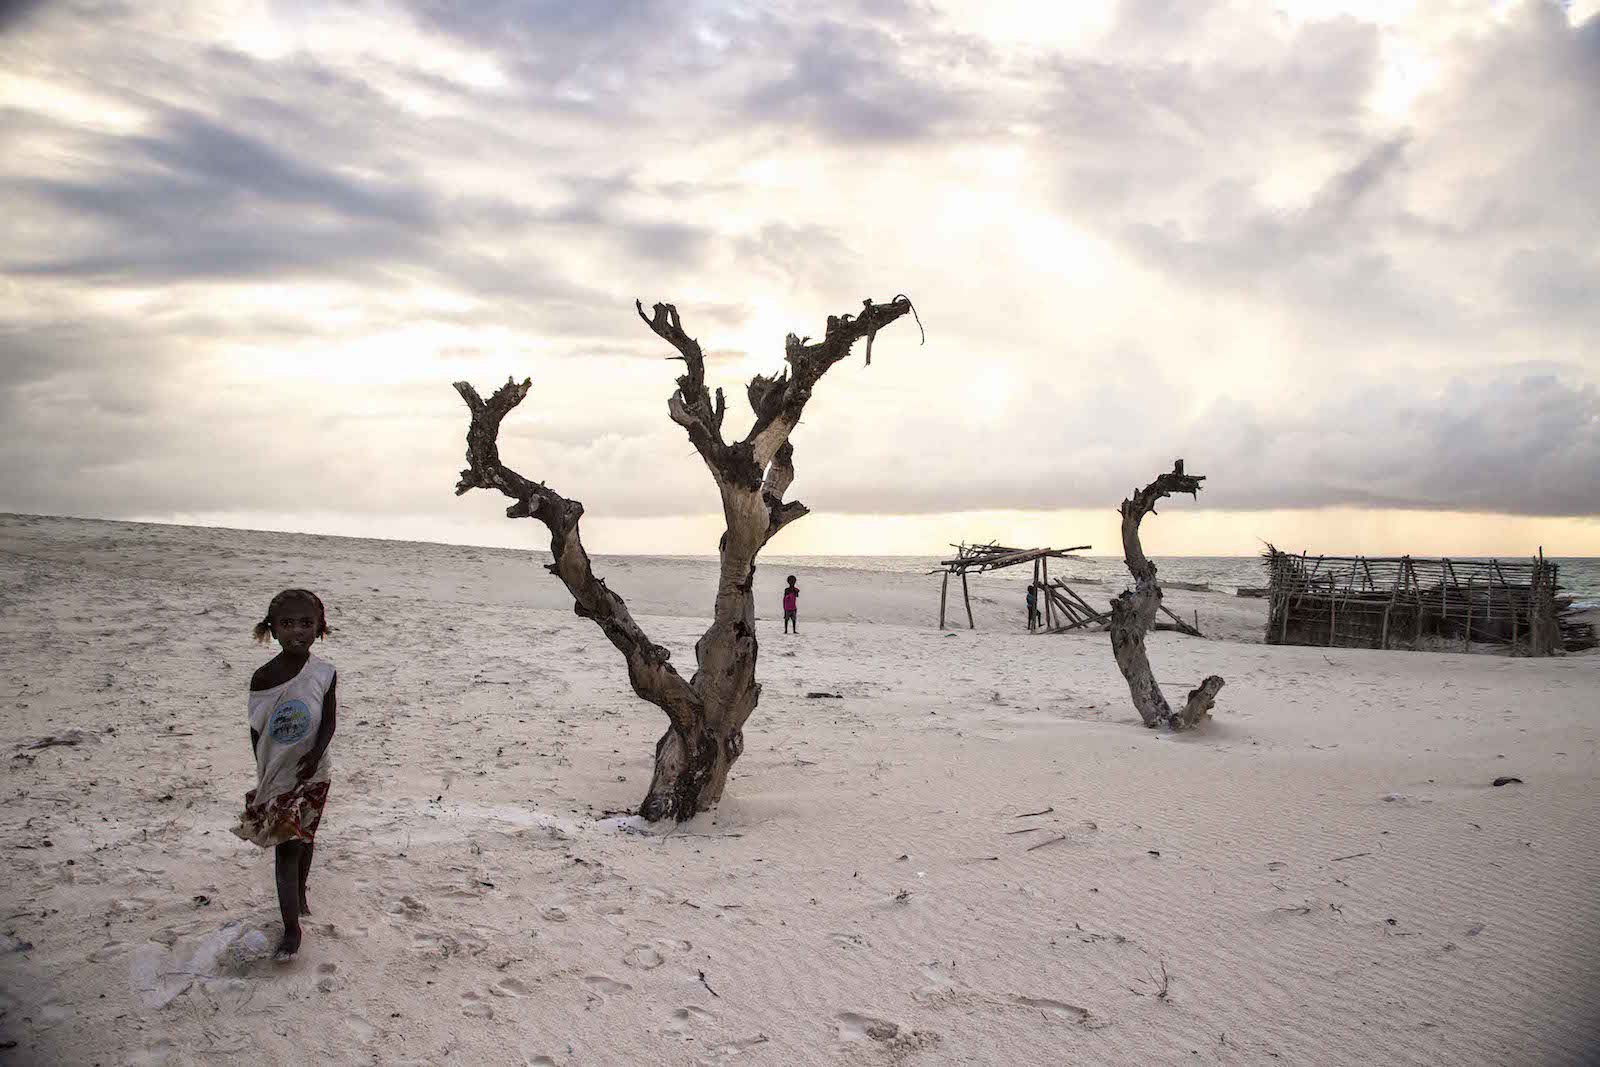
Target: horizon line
<point x="659" y="555"/>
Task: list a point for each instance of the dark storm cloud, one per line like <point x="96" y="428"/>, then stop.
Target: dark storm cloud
<point x="13" y="12"/>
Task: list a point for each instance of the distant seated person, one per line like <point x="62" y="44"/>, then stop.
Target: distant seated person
<point x="791" y="604"/>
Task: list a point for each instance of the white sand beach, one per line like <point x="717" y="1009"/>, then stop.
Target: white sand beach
<point x="975" y="854"/>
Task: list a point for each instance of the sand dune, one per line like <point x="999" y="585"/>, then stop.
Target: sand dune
<point x="976" y="855"/>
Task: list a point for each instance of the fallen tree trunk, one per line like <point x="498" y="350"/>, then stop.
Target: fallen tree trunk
<point x="706" y="713"/>
<point x="1133" y="613"/>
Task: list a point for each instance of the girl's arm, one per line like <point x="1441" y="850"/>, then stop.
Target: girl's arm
<point x="330" y="721"/>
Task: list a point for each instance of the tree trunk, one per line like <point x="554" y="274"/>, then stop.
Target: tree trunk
<point x="707" y="713"/>
<point x="1134" y="612"/>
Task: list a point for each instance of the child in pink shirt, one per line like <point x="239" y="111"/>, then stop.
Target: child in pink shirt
<point x="791" y="601"/>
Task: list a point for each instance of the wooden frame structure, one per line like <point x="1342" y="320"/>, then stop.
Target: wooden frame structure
<point x="990" y="557"/>
<point x="1398" y="601"/>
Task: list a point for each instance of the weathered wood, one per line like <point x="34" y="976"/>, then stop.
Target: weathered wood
<point x="1082" y="603"/>
<point x="1181" y="626"/>
<point x="1049" y="604"/>
<point x="1134" y="612"/>
<point x="1033" y="615"/>
<point x="707" y="713"/>
<point x="967" y="597"/>
<point x="944" y="591"/>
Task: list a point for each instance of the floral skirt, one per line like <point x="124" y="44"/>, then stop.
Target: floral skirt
<point x="291" y="816"/>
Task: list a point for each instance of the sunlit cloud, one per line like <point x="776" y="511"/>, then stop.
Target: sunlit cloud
<point x="1339" y="255"/>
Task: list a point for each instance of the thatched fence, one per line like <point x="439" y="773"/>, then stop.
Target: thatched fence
<point x="1404" y="602"/>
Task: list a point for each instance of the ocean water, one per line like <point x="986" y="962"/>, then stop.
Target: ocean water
<point x="1579" y="576"/>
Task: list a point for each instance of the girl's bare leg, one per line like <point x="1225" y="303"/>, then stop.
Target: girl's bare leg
<point x="287" y="870"/>
<point x="306" y="850"/>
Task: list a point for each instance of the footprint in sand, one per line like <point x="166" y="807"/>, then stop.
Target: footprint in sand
<point x="855" y="1027"/>
<point x="685" y="1020"/>
<point x="473" y="1006"/>
<point x="409" y="907"/>
<point x="554" y="914"/>
<point x="599" y="986"/>
<point x="510" y="987"/>
<point x="643" y="957"/>
<point x="1060" y="1010"/>
<point x="727" y="1050"/>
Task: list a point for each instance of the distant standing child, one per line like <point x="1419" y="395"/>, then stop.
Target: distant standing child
<point x="293" y="713"/>
<point x="791" y="604"/>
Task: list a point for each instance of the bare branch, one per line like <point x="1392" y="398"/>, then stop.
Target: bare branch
<point x="1134" y="611"/>
<point x="1142" y="503"/>
<point x="691" y="406"/>
<point x="652" y="676"/>
<point x="778" y="402"/>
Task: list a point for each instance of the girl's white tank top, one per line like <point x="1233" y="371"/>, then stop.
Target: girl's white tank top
<point x="287" y="718"/>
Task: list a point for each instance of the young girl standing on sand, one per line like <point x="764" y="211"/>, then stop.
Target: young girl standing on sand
<point x="791" y="606"/>
<point x="293" y="713"/>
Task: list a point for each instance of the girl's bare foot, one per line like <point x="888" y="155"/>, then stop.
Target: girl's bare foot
<point x="288" y="946"/>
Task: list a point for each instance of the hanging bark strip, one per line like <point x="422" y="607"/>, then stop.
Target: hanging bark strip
<point x="706" y="713"/>
<point x="1134" y="612"/>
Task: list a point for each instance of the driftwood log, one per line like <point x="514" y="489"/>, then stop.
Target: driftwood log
<point x="1134" y="612"/>
<point x="707" y="712"/>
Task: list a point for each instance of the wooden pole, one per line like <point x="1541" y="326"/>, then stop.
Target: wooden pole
<point x="1333" y="609"/>
<point x="1466" y="640"/>
<point x="944" y="591"/>
<point x="1097" y="616"/>
<point x="1446" y="576"/>
<point x="1049" y="605"/>
<point x="1383" y="640"/>
<point x="1035" y="589"/>
<point x="965" y="596"/>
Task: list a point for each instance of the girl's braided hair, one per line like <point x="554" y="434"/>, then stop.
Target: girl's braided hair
<point x="263" y="628"/>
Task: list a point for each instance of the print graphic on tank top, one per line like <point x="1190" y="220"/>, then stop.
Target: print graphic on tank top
<point x="290" y="721"/>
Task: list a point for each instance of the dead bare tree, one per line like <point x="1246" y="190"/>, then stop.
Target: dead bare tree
<point x="706" y="713"/>
<point x="1134" y="612"/>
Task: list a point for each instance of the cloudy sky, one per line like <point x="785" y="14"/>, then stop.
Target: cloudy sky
<point x="1342" y="257"/>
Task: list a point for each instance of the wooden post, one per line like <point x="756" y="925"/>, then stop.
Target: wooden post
<point x="1036" y="590"/>
<point x="964" y="596"/>
<point x="1333" y="613"/>
<point x="1049" y="605"/>
<point x="944" y="591"/>
<point x="1416" y="592"/>
<point x="1466" y="641"/>
<point x="1394" y="591"/>
<point x="1446" y="576"/>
